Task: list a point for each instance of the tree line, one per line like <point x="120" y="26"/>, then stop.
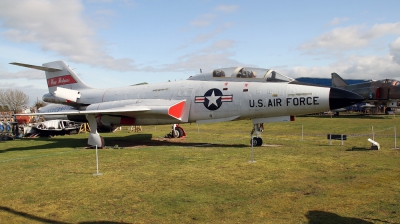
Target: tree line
<point x="16" y="100"/>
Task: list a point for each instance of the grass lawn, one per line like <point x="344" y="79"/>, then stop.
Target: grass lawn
<point x="298" y="177"/>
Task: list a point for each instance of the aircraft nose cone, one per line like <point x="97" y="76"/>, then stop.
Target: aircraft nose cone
<point x="339" y="98"/>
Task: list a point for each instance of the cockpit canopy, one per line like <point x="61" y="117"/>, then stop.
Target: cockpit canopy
<point x="391" y="82"/>
<point x="242" y="74"/>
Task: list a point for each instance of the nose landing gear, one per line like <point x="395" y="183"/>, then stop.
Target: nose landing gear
<point x="257" y="141"/>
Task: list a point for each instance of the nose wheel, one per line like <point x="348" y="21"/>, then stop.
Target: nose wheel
<point x="257" y="141"/>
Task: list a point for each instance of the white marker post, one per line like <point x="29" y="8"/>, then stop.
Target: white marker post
<point x="395" y="138"/>
<point x="97" y="164"/>
<point x="252" y="150"/>
<point x="342" y="138"/>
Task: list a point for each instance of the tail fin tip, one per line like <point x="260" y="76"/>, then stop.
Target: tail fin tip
<point x="338" y="81"/>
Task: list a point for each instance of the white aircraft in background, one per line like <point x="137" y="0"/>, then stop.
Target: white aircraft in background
<point x="226" y="94"/>
<point x="51" y="108"/>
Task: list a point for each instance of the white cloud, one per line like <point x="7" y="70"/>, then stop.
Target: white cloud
<point x="57" y="26"/>
<point x="125" y="3"/>
<point x="351" y="37"/>
<point x="383" y="29"/>
<point x="395" y="50"/>
<point x="206" y="19"/>
<point x="339" y="41"/>
<point x="203" y="20"/>
<point x="203" y="37"/>
<point x="216" y="55"/>
<point x="25" y="74"/>
<point x="226" y="8"/>
<point x="221" y="45"/>
<point x="337" y="21"/>
<point x="372" y="67"/>
<point x="7" y="85"/>
<point x="105" y="12"/>
<point x="207" y="62"/>
<point x="338" y="38"/>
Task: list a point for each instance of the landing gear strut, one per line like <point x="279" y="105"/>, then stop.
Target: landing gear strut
<point x="257" y="141"/>
<point x="94" y="138"/>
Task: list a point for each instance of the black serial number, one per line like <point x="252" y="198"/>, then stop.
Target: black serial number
<point x="278" y="102"/>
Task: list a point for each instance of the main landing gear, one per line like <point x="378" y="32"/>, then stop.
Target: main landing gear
<point x="94" y="138"/>
<point x="257" y="141"/>
<point x="176" y="132"/>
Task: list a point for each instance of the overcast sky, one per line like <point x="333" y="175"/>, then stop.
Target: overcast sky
<point x="112" y="43"/>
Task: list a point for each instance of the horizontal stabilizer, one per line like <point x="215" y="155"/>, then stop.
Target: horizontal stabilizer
<point x="47" y="69"/>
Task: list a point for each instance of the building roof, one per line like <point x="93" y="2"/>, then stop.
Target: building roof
<point x="327" y="81"/>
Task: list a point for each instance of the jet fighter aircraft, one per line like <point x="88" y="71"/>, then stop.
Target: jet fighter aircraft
<point x="385" y="91"/>
<point x="227" y="94"/>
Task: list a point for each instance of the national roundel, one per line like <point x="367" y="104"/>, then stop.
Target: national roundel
<point x="213" y="99"/>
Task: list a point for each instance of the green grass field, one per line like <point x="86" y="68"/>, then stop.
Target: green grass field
<point x="207" y="177"/>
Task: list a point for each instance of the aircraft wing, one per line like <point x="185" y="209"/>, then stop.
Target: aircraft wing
<point x="148" y="108"/>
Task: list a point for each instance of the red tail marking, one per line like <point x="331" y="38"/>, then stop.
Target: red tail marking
<point x="176" y="110"/>
<point x="60" y="80"/>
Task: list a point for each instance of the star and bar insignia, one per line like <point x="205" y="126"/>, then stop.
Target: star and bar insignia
<point x="213" y="99"/>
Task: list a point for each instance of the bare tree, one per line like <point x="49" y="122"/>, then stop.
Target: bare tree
<point x="14" y="99"/>
<point x="39" y="104"/>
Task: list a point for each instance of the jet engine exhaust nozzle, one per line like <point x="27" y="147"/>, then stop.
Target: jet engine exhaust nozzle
<point x="339" y="98"/>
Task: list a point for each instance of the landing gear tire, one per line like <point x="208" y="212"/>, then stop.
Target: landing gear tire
<point x="177" y="133"/>
<point x="256" y="141"/>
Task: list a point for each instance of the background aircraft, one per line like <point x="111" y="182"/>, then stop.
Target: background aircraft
<point x="228" y="94"/>
<point x="385" y="91"/>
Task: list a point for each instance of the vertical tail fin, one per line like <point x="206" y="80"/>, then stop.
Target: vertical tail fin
<point x="58" y="74"/>
<point x="337" y="81"/>
<point x="64" y="85"/>
<point x="64" y="77"/>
